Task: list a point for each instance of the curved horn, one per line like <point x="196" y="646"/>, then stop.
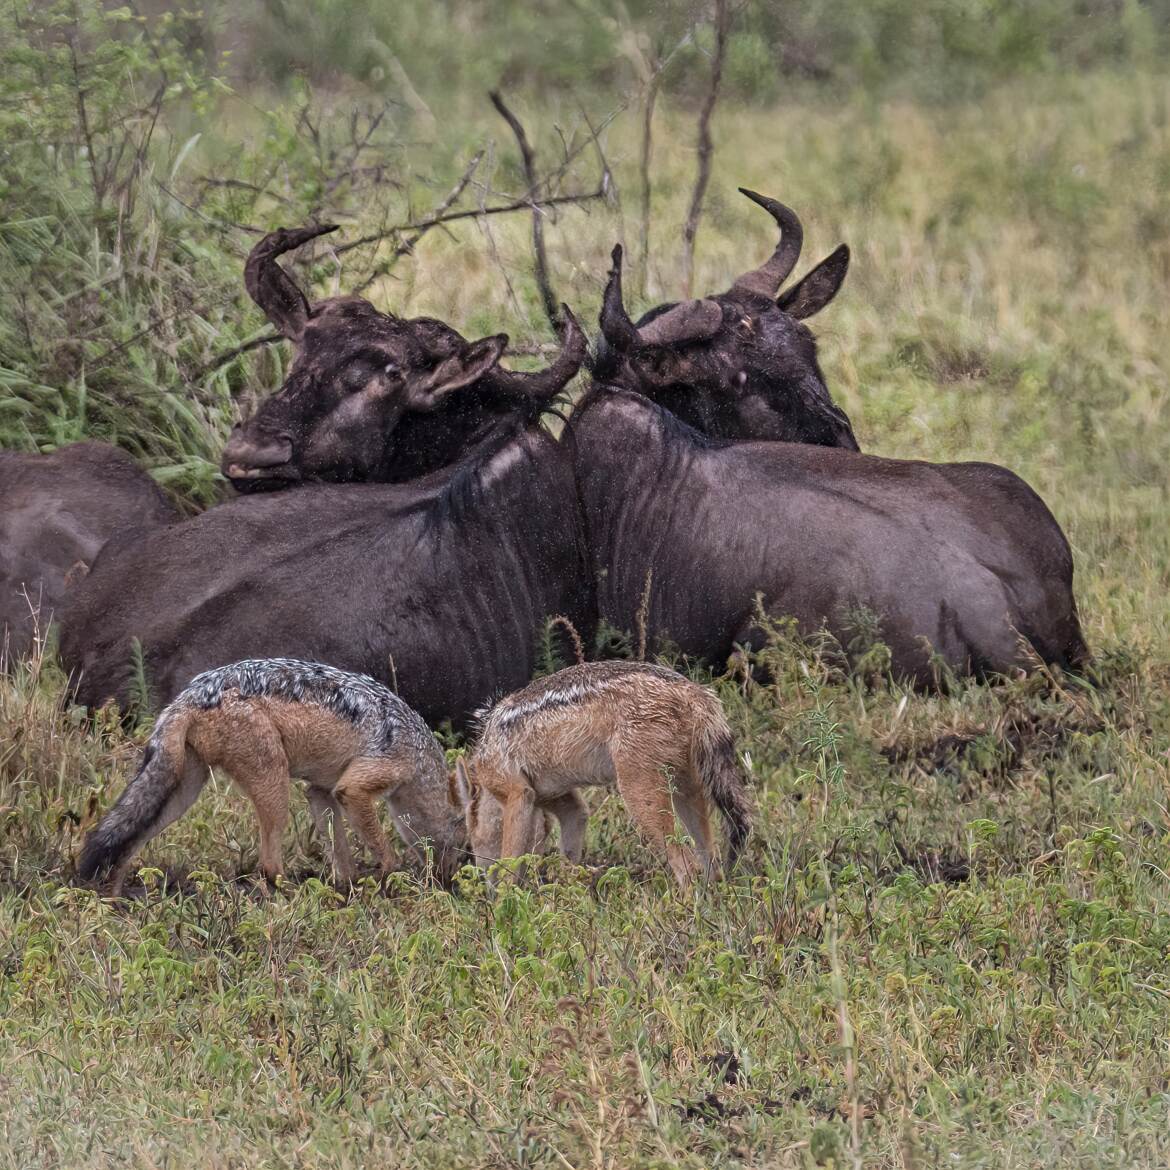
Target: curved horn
<point x="767" y="279"/>
<point x="271" y="287"/>
<point x="542" y="384"/>
<point x="616" y="326"/>
<point x="688" y="321"/>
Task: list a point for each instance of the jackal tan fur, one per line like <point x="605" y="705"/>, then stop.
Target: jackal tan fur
<point x="265" y="721"/>
<point x="661" y="739"/>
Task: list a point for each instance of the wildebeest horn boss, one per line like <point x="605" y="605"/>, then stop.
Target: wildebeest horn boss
<point x="739" y="365"/>
<point x="371" y="395"/>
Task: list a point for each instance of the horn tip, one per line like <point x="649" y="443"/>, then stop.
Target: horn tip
<point x="616" y="254"/>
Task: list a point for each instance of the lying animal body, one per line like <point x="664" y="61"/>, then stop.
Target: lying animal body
<point x="962" y="564"/>
<point x="438" y="588"/>
<point x="660" y="738"/>
<point x="56" y="512"/>
<point x="264" y="721"/>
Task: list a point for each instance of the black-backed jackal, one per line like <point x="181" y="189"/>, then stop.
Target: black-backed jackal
<point x="264" y="721"/>
<point x="660" y="738"/>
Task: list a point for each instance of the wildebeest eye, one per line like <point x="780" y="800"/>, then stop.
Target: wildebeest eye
<point x="391" y="370"/>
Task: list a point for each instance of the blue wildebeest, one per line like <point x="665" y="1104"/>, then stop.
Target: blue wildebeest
<point x="438" y="587"/>
<point x="56" y="512"/>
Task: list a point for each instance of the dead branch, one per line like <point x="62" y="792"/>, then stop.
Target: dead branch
<point x="705" y="147"/>
<point x="652" y="88"/>
<point x="222" y="225"/>
<point x="572" y="152"/>
<point x="540" y="259"/>
<point x="608" y="182"/>
<point x="241" y="185"/>
<point x="436" y="216"/>
<point x="486" y="227"/>
<point x="405" y="247"/>
<point x="221" y="360"/>
<point x="470" y="213"/>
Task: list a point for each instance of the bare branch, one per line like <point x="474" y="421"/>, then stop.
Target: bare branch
<point x="470" y="213"/>
<point x="608" y="182"/>
<point x="705" y="147"/>
<point x="222" y="224"/>
<point x="240" y="185"/>
<point x="407" y="246"/>
<point x="652" y="88"/>
<point x="485" y="226"/>
<point x="540" y="259"/>
<point x="221" y="360"/>
<point x="83" y="123"/>
<point x="436" y="216"/>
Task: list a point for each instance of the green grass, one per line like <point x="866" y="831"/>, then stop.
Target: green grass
<point x="949" y="944"/>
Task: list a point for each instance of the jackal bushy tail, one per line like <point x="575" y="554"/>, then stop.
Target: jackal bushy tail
<point x="715" y="761"/>
<point x="142" y="802"/>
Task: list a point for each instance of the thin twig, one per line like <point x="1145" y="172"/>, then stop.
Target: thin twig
<point x="407" y="246"/>
<point x="222" y="359"/>
<point x="486" y="227"/>
<point x="470" y="213"/>
<point x="608" y="182"/>
<point x="83" y="123"/>
<point x="644" y="173"/>
<point x="240" y="185"/>
<point x="222" y="224"/>
<point x="539" y="258"/>
<point x="705" y="147"/>
<point x="436" y="216"/>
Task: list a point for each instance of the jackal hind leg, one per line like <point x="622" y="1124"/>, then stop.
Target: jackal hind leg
<point x="330" y="825"/>
<point x="646" y="792"/>
<point x="251" y="752"/>
<point x="572" y="816"/>
<point x="361" y="786"/>
<point x="690" y="803"/>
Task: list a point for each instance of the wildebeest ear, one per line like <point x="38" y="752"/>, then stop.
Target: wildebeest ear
<point x="459" y="786"/>
<point x="815" y="290"/>
<point x="460" y="369"/>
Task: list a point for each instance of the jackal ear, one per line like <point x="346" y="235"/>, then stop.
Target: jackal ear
<point x="460" y="786"/>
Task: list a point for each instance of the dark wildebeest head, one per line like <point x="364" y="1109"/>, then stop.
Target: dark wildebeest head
<point x="741" y="365"/>
<point x="371" y="396"/>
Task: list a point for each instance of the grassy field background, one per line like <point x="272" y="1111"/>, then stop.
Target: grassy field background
<point x="949" y="944"/>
